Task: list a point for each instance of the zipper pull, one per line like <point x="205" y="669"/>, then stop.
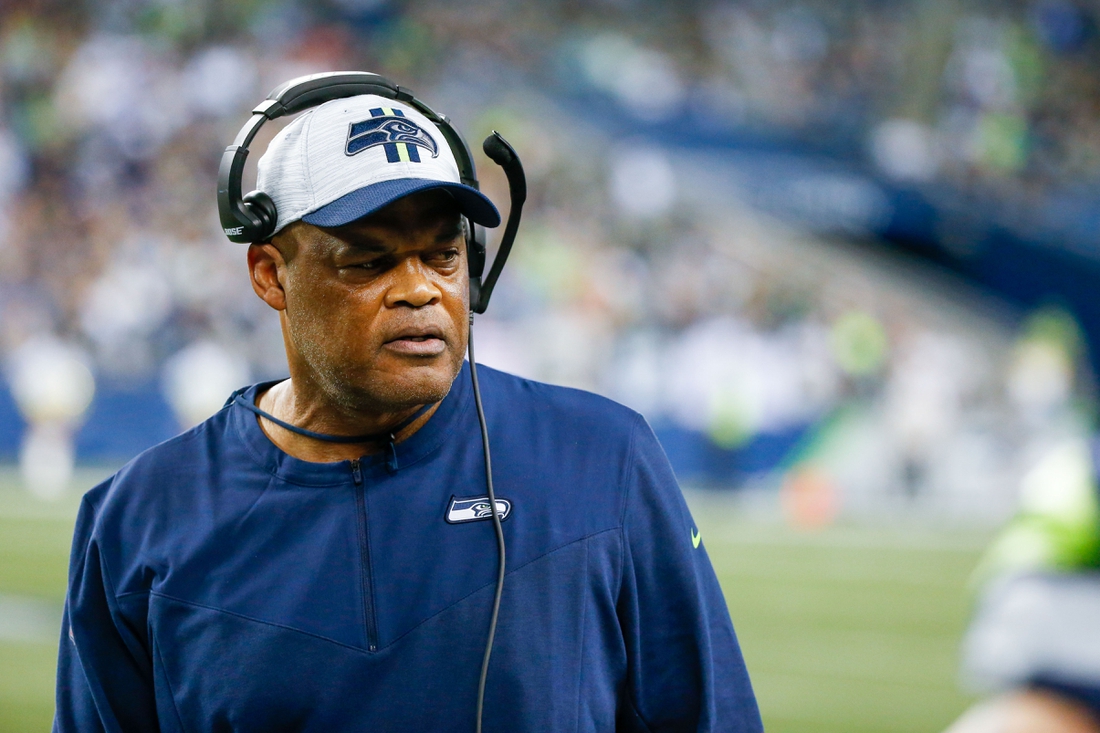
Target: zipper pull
<point x="391" y="455"/>
<point x="356" y="474"/>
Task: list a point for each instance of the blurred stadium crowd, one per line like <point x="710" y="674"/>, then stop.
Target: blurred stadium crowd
<point x="760" y="353"/>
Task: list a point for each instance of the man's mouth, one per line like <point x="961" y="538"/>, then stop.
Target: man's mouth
<point x="417" y="344"/>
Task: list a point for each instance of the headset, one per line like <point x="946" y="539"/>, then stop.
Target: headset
<point x="251" y="219"/>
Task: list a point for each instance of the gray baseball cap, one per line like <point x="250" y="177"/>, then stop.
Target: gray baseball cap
<point x="350" y="157"/>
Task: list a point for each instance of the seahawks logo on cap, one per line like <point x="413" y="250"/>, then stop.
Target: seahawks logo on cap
<point x="399" y="136"/>
<point x="476" y="509"/>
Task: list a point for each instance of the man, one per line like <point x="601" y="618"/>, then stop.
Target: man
<point x="246" y="576"/>
<point x="1034" y="640"/>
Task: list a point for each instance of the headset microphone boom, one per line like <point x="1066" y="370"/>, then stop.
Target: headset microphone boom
<point x="252" y="218"/>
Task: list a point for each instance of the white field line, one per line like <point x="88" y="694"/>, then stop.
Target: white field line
<point x="38" y="513"/>
<point x="26" y="619"/>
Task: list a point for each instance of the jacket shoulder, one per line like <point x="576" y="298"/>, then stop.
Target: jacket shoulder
<point x="150" y="475"/>
<point x="568" y="407"/>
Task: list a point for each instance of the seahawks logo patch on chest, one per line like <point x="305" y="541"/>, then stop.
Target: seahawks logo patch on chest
<point x="476" y="509"/>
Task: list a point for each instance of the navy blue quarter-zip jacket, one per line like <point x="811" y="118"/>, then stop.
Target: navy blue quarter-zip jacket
<point x="219" y="584"/>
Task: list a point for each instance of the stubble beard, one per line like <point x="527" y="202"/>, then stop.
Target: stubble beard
<point x="356" y="388"/>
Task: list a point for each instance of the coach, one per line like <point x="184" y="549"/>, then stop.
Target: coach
<point x="251" y="576"/>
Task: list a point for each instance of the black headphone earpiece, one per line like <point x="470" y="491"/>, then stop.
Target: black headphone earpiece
<point x="260" y="206"/>
<point x="475" y="261"/>
<point x="475" y="248"/>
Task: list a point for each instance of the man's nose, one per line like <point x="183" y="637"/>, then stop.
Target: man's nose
<point x="412" y="285"/>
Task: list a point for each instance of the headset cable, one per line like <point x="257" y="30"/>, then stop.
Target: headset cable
<point x="497" y="528"/>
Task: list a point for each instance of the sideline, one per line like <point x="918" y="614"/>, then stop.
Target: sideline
<point x="29" y="620"/>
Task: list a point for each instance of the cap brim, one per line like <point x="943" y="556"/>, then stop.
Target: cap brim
<point x="369" y="199"/>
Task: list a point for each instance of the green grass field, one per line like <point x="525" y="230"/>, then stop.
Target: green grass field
<point x="847" y="630"/>
<point x="34" y="558"/>
<point x="850" y="629"/>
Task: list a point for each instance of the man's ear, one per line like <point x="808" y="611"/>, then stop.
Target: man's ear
<point x="266" y="267"/>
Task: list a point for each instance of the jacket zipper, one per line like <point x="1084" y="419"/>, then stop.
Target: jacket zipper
<point x="364" y="555"/>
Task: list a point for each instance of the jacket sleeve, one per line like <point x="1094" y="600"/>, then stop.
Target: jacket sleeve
<point x="104" y="674"/>
<point x="685" y="671"/>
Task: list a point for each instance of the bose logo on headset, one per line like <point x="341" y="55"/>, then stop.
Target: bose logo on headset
<point x="234" y="231"/>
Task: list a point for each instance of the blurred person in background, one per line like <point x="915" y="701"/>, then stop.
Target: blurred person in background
<point x="1034" y="638"/>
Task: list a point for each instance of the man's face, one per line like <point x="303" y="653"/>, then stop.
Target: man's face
<point x="375" y="313"/>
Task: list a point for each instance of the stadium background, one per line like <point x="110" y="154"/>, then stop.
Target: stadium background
<point x="840" y="255"/>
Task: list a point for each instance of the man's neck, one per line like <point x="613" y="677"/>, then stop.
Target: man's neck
<point x="285" y="401"/>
